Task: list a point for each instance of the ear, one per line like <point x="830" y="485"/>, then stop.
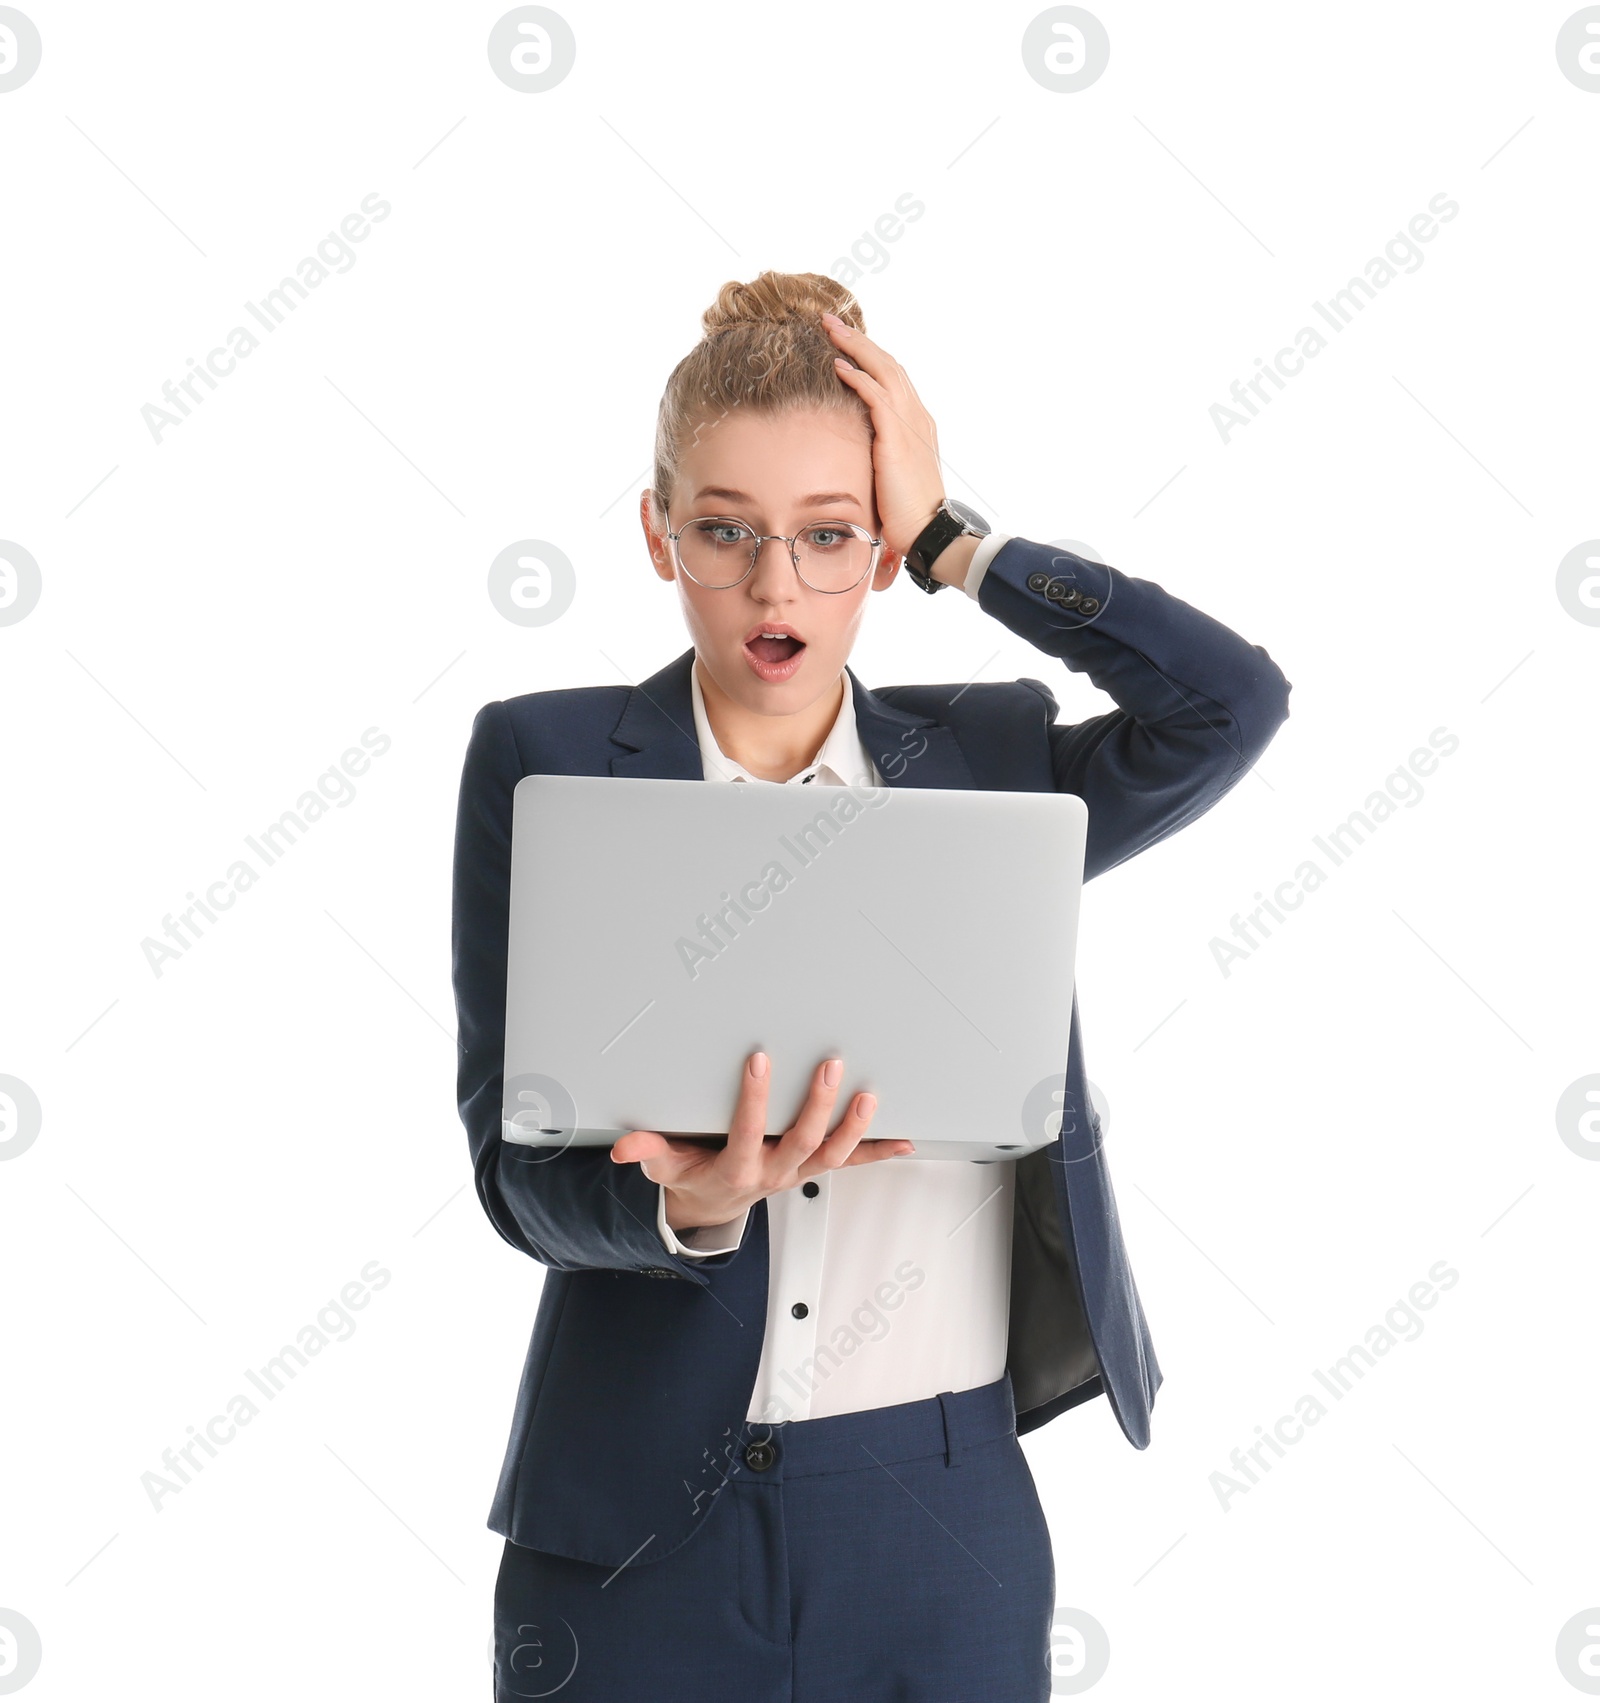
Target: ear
<point x="888" y="568"/>
<point x="655" y="537"/>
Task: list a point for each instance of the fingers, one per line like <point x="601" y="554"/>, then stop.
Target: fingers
<point x="877" y="377"/>
<point x="869" y="1152"/>
<point x="747" y="1128"/>
<point x="638" y="1144"/>
<point x="869" y="376"/>
<point x="680" y="1155"/>
<point x="847" y="1144"/>
<point x="748" y="1162"/>
<point x="862" y="350"/>
<point x="864" y="384"/>
<point x="881" y="382"/>
<point x="810" y="1129"/>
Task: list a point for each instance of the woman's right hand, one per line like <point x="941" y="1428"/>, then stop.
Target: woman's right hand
<point x="710" y="1185"/>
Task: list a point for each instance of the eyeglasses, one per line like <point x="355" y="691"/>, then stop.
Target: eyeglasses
<point x="830" y="556"/>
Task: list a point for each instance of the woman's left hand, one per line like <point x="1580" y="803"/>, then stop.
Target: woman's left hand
<point x="909" y="484"/>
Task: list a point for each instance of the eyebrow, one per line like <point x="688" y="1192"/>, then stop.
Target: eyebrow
<point x="723" y="493"/>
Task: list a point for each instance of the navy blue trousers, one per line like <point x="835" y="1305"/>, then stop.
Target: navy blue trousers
<point x="898" y="1555"/>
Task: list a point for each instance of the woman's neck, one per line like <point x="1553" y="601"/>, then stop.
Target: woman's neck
<point x="770" y="747"/>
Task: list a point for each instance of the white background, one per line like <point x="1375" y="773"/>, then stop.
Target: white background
<point x="226" y="1145"/>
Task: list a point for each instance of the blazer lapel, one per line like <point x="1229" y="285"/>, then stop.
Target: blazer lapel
<point x="657" y="727"/>
<point x="906" y="749"/>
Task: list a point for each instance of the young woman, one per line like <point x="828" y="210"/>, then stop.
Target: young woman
<point x="793" y="1471"/>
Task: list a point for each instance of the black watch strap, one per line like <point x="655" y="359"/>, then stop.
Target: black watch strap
<point x="951" y="520"/>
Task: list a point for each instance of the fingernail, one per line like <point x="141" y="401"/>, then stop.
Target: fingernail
<point x="908" y="1148"/>
<point x="758" y="1064"/>
<point x="866" y="1105"/>
<point x="834" y="319"/>
<point x="832" y="1071"/>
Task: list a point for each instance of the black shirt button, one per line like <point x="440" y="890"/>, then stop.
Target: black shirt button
<point x="759" y="1456"/>
<point x="799" y="1309"/>
<point x="810" y="1190"/>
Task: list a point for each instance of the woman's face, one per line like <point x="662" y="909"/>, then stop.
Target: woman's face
<point x="777" y="473"/>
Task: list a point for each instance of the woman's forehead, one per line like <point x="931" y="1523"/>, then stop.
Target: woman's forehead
<point x="794" y="457"/>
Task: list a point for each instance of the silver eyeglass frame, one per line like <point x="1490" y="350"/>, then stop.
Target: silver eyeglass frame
<point x="759" y="538"/>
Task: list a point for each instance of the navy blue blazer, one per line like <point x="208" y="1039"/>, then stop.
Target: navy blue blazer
<point x="631" y="1410"/>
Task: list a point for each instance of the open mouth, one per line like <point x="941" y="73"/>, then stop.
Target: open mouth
<point x="773" y="653"/>
<point x="775" y="650"/>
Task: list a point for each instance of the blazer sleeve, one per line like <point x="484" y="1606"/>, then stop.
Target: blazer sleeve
<point x="1197" y="704"/>
<point x="574" y="1209"/>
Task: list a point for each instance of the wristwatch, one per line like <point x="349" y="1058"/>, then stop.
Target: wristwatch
<point x="951" y="520"/>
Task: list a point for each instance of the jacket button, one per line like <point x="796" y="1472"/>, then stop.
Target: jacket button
<point x="1055" y="589"/>
<point x="1071" y="598"/>
<point x="1037" y="582"/>
<point x="1089" y="605"/>
<point x="759" y="1456"/>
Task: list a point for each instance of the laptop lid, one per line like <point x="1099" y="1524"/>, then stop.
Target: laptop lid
<point x="662" y="930"/>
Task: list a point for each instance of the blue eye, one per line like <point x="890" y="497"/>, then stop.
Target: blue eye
<point x="724" y="532"/>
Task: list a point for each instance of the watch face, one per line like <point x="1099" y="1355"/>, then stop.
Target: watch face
<point x="970" y="515"/>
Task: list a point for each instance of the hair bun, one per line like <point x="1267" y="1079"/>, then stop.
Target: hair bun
<point x="781" y="298"/>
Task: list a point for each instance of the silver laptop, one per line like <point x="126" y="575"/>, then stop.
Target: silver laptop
<point x="661" y="930"/>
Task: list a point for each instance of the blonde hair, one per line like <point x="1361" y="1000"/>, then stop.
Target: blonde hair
<point x="764" y="348"/>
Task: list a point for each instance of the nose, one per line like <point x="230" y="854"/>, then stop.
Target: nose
<point x="785" y="569"/>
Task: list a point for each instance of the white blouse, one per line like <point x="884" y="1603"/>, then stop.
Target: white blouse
<point x="899" y="1270"/>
